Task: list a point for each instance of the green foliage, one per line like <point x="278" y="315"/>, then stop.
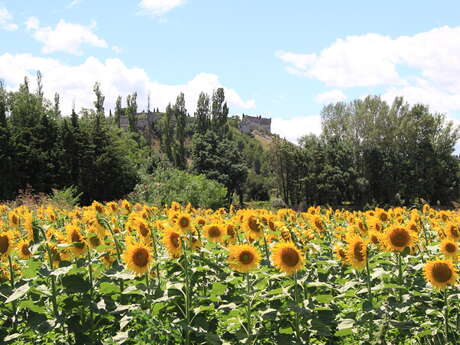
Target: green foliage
<point x="167" y="185"/>
<point x="68" y="197"/>
<point x="371" y="153"/>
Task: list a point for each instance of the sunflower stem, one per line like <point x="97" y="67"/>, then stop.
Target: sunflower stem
<point x="10" y="263"/>
<point x="187" y="293"/>
<point x="446" y="314"/>
<point x="368" y="279"/>
<point x="400" y="276"/>
<point x="296" y="303"/>
<point x="91" y="293"/>
<point x="53" y="282"/>
<point x="155" y="253"/>
<point x="248" y="307"/>
<point x="117" y="248"/>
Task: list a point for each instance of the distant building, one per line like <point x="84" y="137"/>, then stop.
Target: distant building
<point x="249" y="124"/>
<point x="145" y="121"/>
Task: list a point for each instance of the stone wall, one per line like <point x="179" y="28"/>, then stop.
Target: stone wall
<point x="249" y="124"/>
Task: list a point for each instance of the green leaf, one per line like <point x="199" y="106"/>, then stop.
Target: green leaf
<point x="18" y="293"/>
<point x="218" y="289"/>
<point x="33" y="306"/>
<point x="324" y="298"/>
<point x="107" y="288"/>
<point x="75" y="284"/>
<point x="61" y="271"/>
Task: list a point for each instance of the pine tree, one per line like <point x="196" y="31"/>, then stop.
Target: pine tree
<point x="180" y="113"/>
<point x="202" y="113"/>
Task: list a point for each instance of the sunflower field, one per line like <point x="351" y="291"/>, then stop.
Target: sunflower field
<point x="122" y="273"/>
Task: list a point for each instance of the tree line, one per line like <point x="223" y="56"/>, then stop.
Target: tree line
<point x="371" y="152"/>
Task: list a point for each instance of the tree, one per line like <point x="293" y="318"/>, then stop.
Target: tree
<point x="180" y="113"/>
<point x="219" y="113"/>
<point x="219" y="160"/>
<point x="167" y="132"/>
<point x="118" y="111"/>
<point x="202" y="114"/>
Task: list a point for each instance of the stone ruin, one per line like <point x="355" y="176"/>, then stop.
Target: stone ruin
<point x="249" y="124"/>
<point x="144" y="122"/>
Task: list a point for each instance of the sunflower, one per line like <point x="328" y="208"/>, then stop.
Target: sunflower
<point x="75" y="238"/>
<point x="357" y="252"/>
<point x="449" y="248"/>
<point x="28" y="225"/>
<point x="382" y="215"/>
<point x="6" y="243"/>
<point x="214" y="232"/>
<point x="375" y="237"/>
<point x="93" y="239"/>
<point x="440" y="273"/>
<point x="200" y="221"/>
<point x="452" y="231"/>
<point x="172" y="242"/>
<point x="397" y="238"/>
<point x="184" y="222"/>
<point x="244" y="258"/>
<point x="23" y="249"/>
<point x="253" y="226"/>
<point x="287" y="257"/>
<point x="142" y="227"/>
<point x="340" y="253"/>
<point x="138" y="258"/>
<point x="13" y="219"/>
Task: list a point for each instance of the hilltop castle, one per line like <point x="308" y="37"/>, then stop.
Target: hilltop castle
<point x="146" y="121"/>
<point x="251" y="123"/>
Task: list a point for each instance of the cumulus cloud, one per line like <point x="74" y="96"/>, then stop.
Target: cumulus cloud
<point x="65" y="37"/>
<point x="296" y="127"/>
<point x="5" y="20"/>
<point x="158" y="8"/>
<point x="332" y="96"/>
<point x="116" y="79"/>
<point x="431" y="60"/>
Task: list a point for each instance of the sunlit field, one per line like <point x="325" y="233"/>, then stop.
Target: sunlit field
<point x="121" y="273"/>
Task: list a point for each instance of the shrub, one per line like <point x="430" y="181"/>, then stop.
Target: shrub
<point x="167" y="185"/>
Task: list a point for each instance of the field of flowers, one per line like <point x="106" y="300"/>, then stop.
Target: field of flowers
<point x="121" y="273"/>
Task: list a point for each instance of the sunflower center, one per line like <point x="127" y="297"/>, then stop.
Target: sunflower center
<point x="95" y="241"/>
<point x="76" y="239"/>
<point x="450" y="248"/>
<point x="143" y="229"/>
<point x="230" y="231"/>
<point x="454" y="232"/>
<point x="14" y="219"/>
<point x="358" y="252"/>
<point x="184" y="222"/>
<point x="253" y="224"/>
<point x="246" y="257"/>
<point x="290" y="257"/>
<point x="374" y="239"/>
<point x="399" y="238"/>
<point x="175" y="240"/>
<point x="441" y="272"/>
<point x="4" y="244"/>
<point x="140" y="257"/>
<point x="342" y="253"/>
<point x="214" y="232"/>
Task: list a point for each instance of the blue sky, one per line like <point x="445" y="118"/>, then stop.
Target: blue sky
<point x="280" y="59"/>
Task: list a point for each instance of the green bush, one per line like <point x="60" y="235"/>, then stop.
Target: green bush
<point x="167" y="185"/>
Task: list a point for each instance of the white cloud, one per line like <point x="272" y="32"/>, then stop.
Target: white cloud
<point x="74" y="3"/>
<point x="117" y="49"/>
<point x="66" y="37"/>
<point x="430" y="60"/>
<point x="332" y="96"/>
<point x="32" y="23"/>
<point x="158" y="8"/>
<point x="5" y="20"/>
<point x="296" y="127"/>
<point x="115" y="78"/>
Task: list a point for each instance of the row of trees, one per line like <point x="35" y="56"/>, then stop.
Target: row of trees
<point x="371" y="152"/>
<point x="40" y="149"/>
